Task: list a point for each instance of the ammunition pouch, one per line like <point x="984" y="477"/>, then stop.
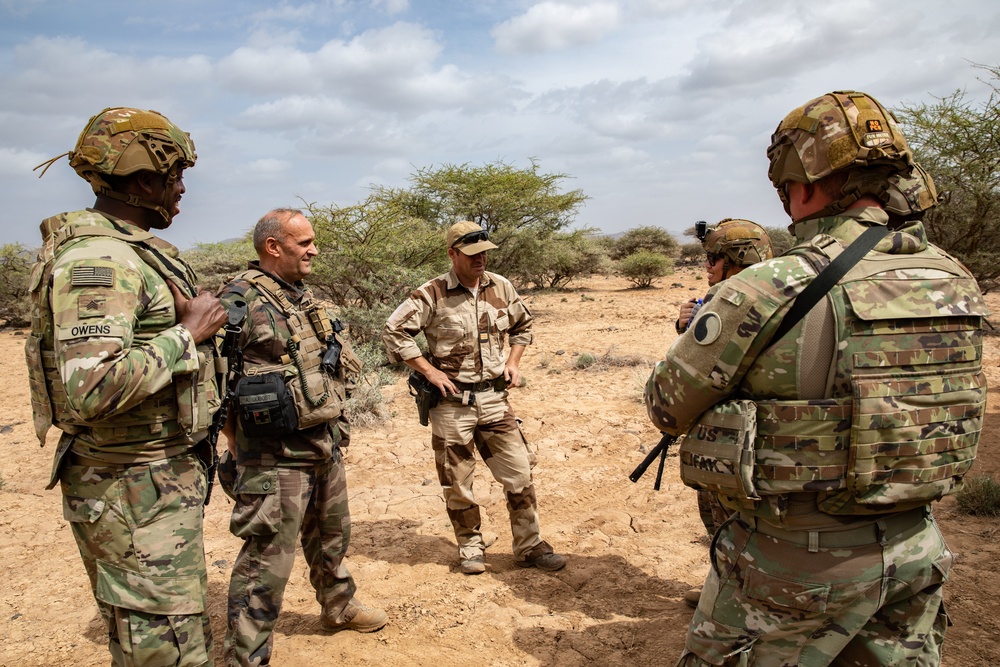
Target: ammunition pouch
<point x="717" y="454"/>
<point x="425" y="393"/>
<point x="265" y="406"/>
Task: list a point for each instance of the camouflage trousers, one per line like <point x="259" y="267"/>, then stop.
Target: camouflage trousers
<point x="457" y="431"/>
<point x="274" y="507"/>
<point x="139" y="531"/>
<point x="771" y="602"/>
<point x="713" y="513"/>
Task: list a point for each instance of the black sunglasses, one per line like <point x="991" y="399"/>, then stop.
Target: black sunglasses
<point x="472" y="237"/>
<point x="713" y="257"/>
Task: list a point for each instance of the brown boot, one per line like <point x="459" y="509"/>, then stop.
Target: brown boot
<point x="692" y="597"/>
<point x="541" y="556"/>
<point x="358" y="617"/>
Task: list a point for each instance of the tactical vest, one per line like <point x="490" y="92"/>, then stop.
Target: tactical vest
<point x="184" y="408"/>
<point x="905" y="428"/>
<point x="319" y="397"/>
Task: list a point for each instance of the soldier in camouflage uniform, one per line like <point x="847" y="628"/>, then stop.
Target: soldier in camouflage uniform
<point x="467" y="314"/>
<point x="831" y="441"/>
<point x="290" y="482"/>
<point x="731" y="246"/>
<point x="120" y="359"/>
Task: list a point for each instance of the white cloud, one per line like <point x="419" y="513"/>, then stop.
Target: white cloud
<point x="18" y="162"/>
<point x="551" y="26"/>
<point x="391" y="7"/>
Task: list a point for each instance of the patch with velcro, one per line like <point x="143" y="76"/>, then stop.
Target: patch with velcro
<point x="89" y="305"/>
<point x="102" y="276"/>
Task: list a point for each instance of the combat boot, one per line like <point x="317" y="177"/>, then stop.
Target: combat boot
<point x="358" y="617"/>
<point x="541" y="556"/>
<point x="692" y="596"/>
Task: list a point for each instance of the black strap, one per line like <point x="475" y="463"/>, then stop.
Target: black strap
<point x="829" y="277"/>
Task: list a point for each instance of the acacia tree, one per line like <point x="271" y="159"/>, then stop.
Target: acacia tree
<point x="958" y="141"/>
<point x="520" y="208"/>
<point x="15" y="267"/>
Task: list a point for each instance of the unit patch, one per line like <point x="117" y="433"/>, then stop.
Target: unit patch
<point x="707" y="328"/>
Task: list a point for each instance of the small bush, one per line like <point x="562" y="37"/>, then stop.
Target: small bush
<point x="692" y="253"/>
<point x="644" y="267"/>
<point x="608" y="360"/>
<point x="980" y="496"/>
<point x="15" y="269"/>
<point x="645" y="239"/>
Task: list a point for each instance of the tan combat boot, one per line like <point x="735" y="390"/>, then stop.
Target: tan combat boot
<point x="358" y="617"/>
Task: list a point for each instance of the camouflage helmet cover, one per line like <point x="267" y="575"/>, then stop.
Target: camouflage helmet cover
<point x="835" y="132"/>
<point x="120" y="141"/>
<point x="741" y="242"/>
<point x="910" y="193"/>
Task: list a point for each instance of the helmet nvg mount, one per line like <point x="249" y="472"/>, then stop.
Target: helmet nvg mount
<point x="120" y="141"/>
<point x="840" y="131"/>
<point x="740" y="242"/>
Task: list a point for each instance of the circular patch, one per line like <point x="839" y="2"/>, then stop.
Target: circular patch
<point x="707" y="329"/>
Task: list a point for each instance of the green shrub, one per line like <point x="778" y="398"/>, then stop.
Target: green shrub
<point x="649" y="238"/>
<point x="980" y="496"/>
<point x="216" y="264"/>
<point x="585" y="360"/>
<point x="15" y="269"/>
<point x="644" y="267"/>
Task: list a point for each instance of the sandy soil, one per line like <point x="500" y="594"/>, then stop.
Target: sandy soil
<point x="632" y="551"/>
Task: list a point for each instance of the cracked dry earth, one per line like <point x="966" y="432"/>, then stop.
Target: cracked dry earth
<point x="632" y="551"/>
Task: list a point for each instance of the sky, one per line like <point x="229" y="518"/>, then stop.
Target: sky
<point x="660" y="111"/>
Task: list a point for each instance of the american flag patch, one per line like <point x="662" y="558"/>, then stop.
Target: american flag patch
<point x="93" y="275"/>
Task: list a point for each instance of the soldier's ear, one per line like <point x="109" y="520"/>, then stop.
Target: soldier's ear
<point x="271" y="247"/>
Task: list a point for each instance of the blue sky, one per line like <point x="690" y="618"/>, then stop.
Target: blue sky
<point x="660" y="110"/>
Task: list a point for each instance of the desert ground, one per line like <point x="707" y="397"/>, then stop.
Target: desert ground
<point x="632" y="551"/>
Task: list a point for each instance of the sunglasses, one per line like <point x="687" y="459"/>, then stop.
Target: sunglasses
<point x="713" y="257"/>
<point x="472" y="237"/>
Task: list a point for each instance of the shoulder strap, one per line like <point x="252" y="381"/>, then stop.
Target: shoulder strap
<point x="270" y="288"/>
<point x="829" y="277"/>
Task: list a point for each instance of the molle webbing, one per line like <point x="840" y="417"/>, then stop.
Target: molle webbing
<point x="157" y="416"/>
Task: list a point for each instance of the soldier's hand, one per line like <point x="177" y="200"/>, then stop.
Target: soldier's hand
<point x="441" y="381"/>
<point x="202" y="315"/>
<point x="512" y="374"/>
<point x="685" y="316"/>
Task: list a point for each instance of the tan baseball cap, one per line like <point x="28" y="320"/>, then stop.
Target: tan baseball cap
<point x="469" y="238"/>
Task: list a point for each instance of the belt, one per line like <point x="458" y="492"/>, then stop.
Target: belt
<point x="889" y="527"/>
<point x="496" y="384"/>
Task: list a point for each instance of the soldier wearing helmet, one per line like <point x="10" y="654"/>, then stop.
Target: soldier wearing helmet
<point x="730" y="246"/>
<point x="830" y="435"/>
<point x="121" y="361"/>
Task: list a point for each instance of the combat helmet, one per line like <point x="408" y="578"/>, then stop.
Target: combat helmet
<point x="840" y="131"/>
<point x="910" y="194"/>
<point x="121" y="141"/>
<point x="740" y="242"/>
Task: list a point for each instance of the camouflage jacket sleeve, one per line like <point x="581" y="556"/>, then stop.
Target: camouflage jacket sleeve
<point x="734" y="325"/>
<point x="117" y="339"/>
<point x="408" y="320"/>
<point x="520" y="332"/>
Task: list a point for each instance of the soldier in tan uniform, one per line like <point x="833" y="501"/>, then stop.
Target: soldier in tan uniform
<point x="286" y="438"/>
<point x="467" y="315"/>
<point x="830" y="435"/>
<point x="120" y="360"/>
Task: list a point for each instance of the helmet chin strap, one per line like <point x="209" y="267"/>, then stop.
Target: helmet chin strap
<point x="101" y="188"/>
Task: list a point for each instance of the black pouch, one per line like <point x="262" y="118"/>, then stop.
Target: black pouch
<point x="266" y="406"/>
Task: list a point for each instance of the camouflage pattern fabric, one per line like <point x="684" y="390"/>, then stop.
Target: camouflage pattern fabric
<point x="489" y="426"/>
<point x="139" y="531"/>
<point x="274" y="506"/>
<point x="770" y="603"/>
<point x="133" y="394"/>
<point x="711" y="510"/>
<point x="265" y="343"/>
<point x="785" y="588"/>
<point x="153" y="393"/>
<point x="286" y="489"/>
<point x="465" y="335"/>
